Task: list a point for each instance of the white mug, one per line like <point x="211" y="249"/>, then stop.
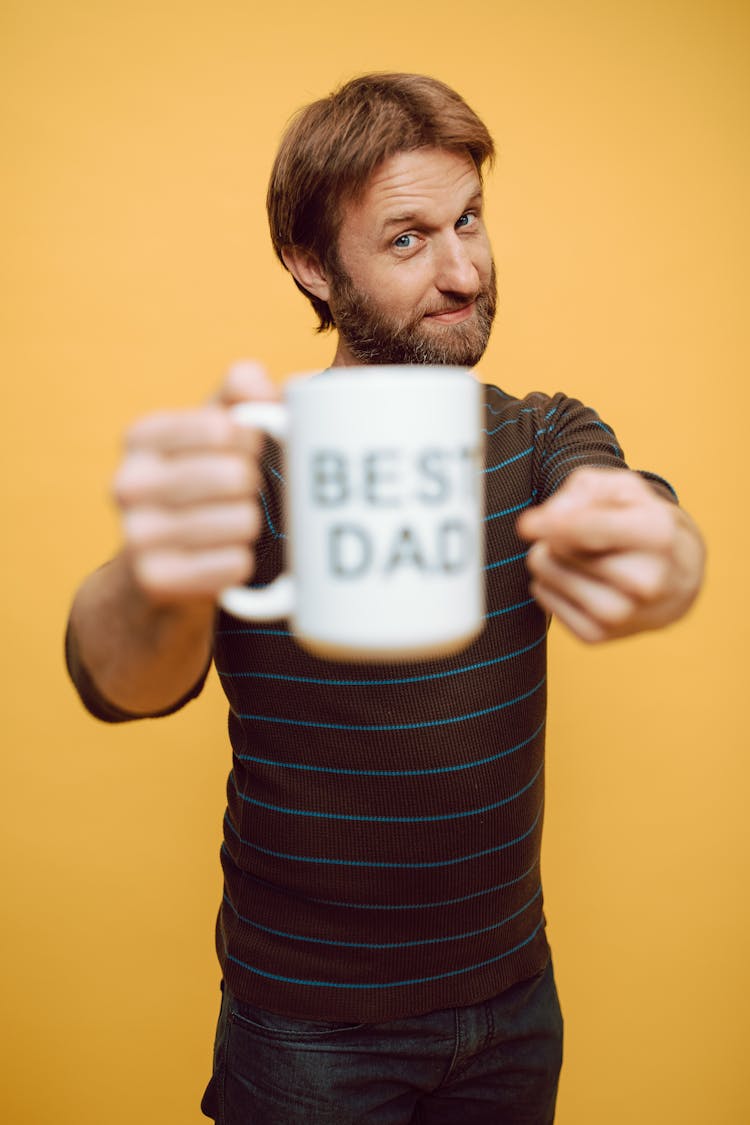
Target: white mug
<point x="384" y="512"/>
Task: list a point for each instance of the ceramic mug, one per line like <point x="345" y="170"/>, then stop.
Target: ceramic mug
<point x="384" y="512"/>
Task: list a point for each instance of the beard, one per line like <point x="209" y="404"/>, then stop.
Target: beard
<point x="374" y="337"/>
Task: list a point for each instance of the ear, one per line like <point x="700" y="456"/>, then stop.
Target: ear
<point x="307" y="271"/>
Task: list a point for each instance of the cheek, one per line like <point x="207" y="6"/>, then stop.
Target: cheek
<point x="398" y="289"/>
<point x="483" y="260"/>
<point x="404" y="302"/>
<point x="406" y="289"/>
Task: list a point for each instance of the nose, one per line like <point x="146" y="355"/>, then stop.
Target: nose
<point x="455" y="269"/>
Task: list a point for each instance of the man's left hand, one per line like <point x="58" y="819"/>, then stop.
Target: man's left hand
<point x="610" y="558"/>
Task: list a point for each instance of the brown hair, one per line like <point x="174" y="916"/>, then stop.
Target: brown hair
<point x="331" y="148"/>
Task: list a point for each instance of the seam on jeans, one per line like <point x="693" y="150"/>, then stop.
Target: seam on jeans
<point x="456" y="1047"/>
<point x="490" y="1035"/>
<point x="221" y="1077"/>
<point x="325" y="1030"/>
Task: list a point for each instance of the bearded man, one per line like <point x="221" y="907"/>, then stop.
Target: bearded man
<point x="381" y="935"/>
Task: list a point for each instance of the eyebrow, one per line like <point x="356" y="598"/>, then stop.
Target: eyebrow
<point x="416" y="219"/>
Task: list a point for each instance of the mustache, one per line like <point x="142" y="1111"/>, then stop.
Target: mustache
<point x="452" y="302"/>
<point x="451" y="305"/>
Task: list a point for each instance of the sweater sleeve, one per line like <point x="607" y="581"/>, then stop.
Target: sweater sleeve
<point x="574" y="436"/>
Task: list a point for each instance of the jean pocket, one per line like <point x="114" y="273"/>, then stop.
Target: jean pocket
<point x="274" y="1026"/>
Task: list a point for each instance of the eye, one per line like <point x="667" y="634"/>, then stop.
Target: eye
<point x="466" y="220"/>
<point x="404" y="242"/>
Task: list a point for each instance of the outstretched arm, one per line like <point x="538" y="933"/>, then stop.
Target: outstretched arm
<point x="141" y="626"/>
<point x="609" y="557"/>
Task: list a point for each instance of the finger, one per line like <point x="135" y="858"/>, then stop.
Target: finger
<point x="640" y="575"/>
<point x="176" y="432"/>
<point x="595" y="529"/>
<point x="246" y="380"/>
<point x="210" y="525"/>
<point x="570" y="615"/>
<point x="170" y="574"/>
<point x="149" y="479"/>
<point x="602" y="602"/>
<point x="591" y="485"/>
<point x="587" y="488"/>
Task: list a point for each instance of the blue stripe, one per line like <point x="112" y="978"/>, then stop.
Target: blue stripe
<point x="654" y="477"/>
<point x="549" y="458"/>
<point x="587" y="458"/>
<point x="394" y="773"/>
<point x="504" y="464"/>
<point x="394" y="726"/>
<point x="276" y="534"/>
<point x="385" y="945"/>
<point x="288" y="633"/>
<point x="386" y="984"/>
<point x="254" y="632"/>
<point x="508" y="511"/>
<point x="428" y="905"/>
<point x="313" y="814"/>
<point x="509" y="609"/>
<point x="385" y="866"/>
<point x="509" y="403"/>
<point x="505" y="562"/>
<point x="276" y="474"/>
<point x="602" y="426"/>
<point x="385" y="683"/>
<point x="573" y="445"/>
<point x="508" y="421"/>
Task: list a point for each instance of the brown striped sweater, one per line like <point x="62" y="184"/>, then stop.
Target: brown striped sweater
<point x="384" y="822"/>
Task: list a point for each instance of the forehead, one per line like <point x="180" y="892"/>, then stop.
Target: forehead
<point x="429" y="185"/>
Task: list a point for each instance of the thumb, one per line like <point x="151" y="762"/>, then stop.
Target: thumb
<point x="246" y="380"/>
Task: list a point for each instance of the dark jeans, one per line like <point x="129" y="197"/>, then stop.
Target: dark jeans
<point x="496" y="1062"/>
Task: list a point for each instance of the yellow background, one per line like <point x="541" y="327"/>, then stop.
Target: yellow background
<point x="136" y="264"/>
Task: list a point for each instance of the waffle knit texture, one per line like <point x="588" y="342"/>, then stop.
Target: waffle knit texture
<point x="383" y="829"/>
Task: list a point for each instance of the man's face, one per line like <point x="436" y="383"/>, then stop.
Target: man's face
<point x="413" y="280"/>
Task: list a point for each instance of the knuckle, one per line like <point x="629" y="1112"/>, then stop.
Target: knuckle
<point x="592" y="633"/>
<point x="239" y="564"/>
<point x="144" y="527"/>
<point x="141" y="433"/>
<point x="123" y="483"/>
<point x="651" y="582"/>
<point x="614" y="612"/>
<point x="243" y="378"/>
<point x="119" y="491"/>
<point x="148" y="572"/>
<point x="253" y="521"/>
<point x="133" y="529"/>
<point x="216" y="425"/>
<point x="254" y="474"/>
<point x="536" y="557"/>
<point x="246" y="478"/>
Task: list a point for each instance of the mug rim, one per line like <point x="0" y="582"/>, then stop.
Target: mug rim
<point x="373" y="373"/>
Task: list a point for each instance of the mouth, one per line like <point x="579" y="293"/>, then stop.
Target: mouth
<point x="452" y="316"/>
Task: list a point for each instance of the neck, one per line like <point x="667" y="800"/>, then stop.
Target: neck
<point x="343" y="357"/>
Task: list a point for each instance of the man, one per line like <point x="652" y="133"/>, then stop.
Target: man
<point x="381" y="935"/>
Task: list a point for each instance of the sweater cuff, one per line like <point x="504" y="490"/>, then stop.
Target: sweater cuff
<point x="100" y="707"/>
<point x="660" y="486"/>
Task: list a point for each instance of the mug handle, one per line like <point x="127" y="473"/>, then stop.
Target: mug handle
<point x="277" y="599"/>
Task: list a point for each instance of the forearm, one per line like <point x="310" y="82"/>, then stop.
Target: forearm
<point x="142" y="656"/>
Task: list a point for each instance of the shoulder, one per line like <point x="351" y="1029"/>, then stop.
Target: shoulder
<point x="540" y="414"/>
<point x="531" y="418"/>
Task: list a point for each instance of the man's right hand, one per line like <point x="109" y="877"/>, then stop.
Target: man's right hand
<point x="187" y="490"/>
<point x="141" y="626"/>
